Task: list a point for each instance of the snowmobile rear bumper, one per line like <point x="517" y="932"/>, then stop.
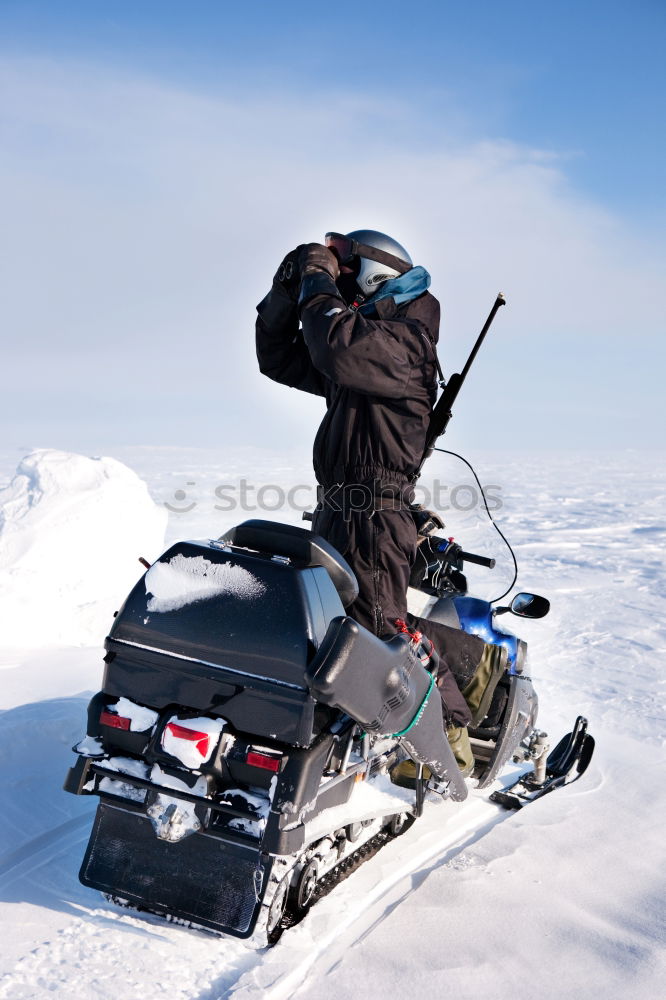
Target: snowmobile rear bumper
<point x="202" y="879"/>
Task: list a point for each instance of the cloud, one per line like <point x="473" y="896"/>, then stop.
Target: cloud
<point x="143" y="222"/>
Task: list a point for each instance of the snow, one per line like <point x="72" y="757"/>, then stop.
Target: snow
<point x="160" y="777"/>
<point x="253" y="827"/>
<point x="258" y="748"/>
<point x="565" y="898"/>
<point x="252" y="801"/>
<point x="122" y="788"/>
<point x="124" y="765"/>
<point x="71" y="532"/>
<point x="186" y="579"/>
<point x="90" y="746"/>
<point x="127" y="765"/>
<point x="141" y="718"/>
<point x="256" y="803"/>
<point x="379" y="798"/>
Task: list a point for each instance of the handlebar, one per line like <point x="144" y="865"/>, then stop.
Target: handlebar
<point x="455" y="555"/>
<point x="479" y="560"/>
<point x="441" y="570"/>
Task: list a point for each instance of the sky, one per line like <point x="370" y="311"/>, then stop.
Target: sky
<point x="157" y="160"/>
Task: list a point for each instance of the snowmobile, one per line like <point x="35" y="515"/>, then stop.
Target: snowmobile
<point x="243" y="741"/>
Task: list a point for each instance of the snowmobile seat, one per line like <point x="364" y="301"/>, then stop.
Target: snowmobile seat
<point x="300" y="546"/>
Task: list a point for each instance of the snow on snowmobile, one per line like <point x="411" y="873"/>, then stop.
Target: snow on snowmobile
<point x="242" y="743"/>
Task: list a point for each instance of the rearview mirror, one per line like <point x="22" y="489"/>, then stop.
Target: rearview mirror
<point x="529" y="606"/>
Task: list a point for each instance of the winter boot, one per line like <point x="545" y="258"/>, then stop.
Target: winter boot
<point x="404" y="774"/>
<point x="479" y="691"/>
<point x="458" y="738"/>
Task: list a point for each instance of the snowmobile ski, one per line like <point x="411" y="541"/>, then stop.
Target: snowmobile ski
<point x="567" y="762"/>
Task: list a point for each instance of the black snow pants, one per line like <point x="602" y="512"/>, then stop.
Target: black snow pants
<point x="380" y="547"/>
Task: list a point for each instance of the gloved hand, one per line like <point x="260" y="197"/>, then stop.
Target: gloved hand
<point x="287" y="278"/>
<point x="426" y="521"/>
<point x="314" y="258"/>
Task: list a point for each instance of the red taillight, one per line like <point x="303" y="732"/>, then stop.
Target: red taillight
<point x="114" y="721"/>
<point x="263" y="760"/>
<point x="202" y="740"/>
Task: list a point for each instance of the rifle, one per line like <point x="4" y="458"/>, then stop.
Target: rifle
<point x="441" y="414"/>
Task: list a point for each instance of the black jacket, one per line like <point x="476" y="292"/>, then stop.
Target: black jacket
<point x="378" y="375"/>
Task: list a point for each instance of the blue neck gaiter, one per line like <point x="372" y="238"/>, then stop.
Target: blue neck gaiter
<point x="404" y="288"/>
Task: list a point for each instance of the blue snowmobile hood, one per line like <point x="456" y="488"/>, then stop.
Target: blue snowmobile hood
<point x="404" y="288"/>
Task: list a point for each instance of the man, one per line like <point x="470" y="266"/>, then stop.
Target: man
<point x="367" y="344"/>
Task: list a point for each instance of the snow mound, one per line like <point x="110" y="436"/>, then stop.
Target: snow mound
<point x="71" y="531"/>
<point x="187" y="579"/>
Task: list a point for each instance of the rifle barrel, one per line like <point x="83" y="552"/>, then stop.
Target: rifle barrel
<point x="441" y="413"/>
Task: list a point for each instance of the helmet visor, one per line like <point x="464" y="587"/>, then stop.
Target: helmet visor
<point x="345" y="249"/>
<point x="342" y="246"/>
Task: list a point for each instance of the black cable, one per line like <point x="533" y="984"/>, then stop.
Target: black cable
<point x="445" y="451"/>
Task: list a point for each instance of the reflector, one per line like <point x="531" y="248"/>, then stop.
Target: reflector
<point x="114" y="721"/>
<point x="202" y="740"/>
<point x="263" y="760"/>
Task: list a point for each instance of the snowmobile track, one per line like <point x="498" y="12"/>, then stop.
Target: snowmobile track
<point x="337" y="875"/>
<point x="338" y="919"/>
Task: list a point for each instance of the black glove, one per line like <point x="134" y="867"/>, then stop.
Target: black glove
<point x="315" y="258"/>
<point x="426" y="521"/>
<point x="287" y="278"/>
